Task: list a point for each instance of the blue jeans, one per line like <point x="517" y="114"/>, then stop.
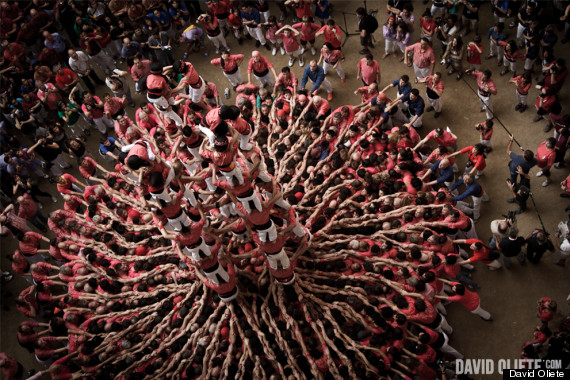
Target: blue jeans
<point x="463" y="277"/>
<point x="41" y="223"/>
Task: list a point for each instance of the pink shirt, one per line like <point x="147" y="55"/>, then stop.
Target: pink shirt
<point x="289" y="43"/>
<point x="308" y="30"/>
<point x="137" y="73"/>
<point x="446" y="139"/>
<point x="369" y="72"/>
<point x="424" y="58"/>
<point x="545" y="157"/>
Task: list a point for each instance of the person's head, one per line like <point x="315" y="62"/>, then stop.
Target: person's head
<point x="313" y="65"/>
<point x="360" y="13"/>
<point x="127" y="42"/>
<point x="528" y="155"/>
<point x="246" y="7"/>
<point x="424" y="43"/>
<point x="404" y="80"/>
<point x="256" y="55"/>
<point x="369" y="59"/>
<point x="486" y="75"/>
<point x="550" y="143"/>
<point x="513" y="232"/>
<point x="73" y="54"/>
<point x="414" y="94"/>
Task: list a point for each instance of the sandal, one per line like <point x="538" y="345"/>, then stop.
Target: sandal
<point x="402" y="59"/>
<point x="409" y="64"/>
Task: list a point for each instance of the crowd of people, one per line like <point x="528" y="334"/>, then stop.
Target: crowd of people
<point x="279" y="237"/>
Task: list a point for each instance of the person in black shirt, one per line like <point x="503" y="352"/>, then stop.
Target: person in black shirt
<point x="537" y="243"/>
<point x="367" y="25"/>
<point x="511" y="246"/>
<point x="471" y="16"/>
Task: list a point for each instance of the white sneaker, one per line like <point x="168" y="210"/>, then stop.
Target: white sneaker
<point x="54" y="199"/>
<point x="546" y="183"/>
<point x="217" y="51"/>
<point x="301" y="62"/>
<point x="539" y="174"/>
<point x="291" y="61"/>
<point x="303" y="50"/>
<point x="313" y="51"/>
<point x="282" y="51"/>
<point x="274" y="51"/>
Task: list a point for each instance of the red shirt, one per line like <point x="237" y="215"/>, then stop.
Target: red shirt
<point x="477" y="160"/>
<point x="30" y="247"/>
<point x="65" y="188"/>
<point x="423" y="58"/>
<point x="470" y="299"/>
<point x="545" y="157"/>
<point x="65" y="78"/>
<point x="229" y="65"/>
<point x="330" y="36"/>
<point x="308" y="30"/>
<point x="290" y="43"/>
<point x="473" y="55"/>
<point x="89" y="170"/>
<point x="28" y="208"/>
<point x="258" y="67"/>
<point x="445" y="139"/>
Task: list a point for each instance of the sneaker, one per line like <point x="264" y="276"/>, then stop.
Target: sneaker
<point x="235" y="88"/>
<point x="539" y="174"/>
<point x="267" y="47"/>
<point x="482" y="109"/>
<point x="54" y="199"/>
<point x="518" y="107"/>
<point x="257" y="44"/>
<point x="547" y="127"/>
<point x="490" y="56"/>
<point x="477" y="176"/>
<point x="206" y="54"/>
<point x="546" y="183"/>
<point x="274" y="51"/>
<point x="559" y="165"/>
<point x="364" y="51"/>
<point x="518" y="211"/>
<point x="303" y="50"/>
<point x="429" y="109"/>
<point x="564" y="195"/>
<point x="313" y="51"/>
<point x="537" y="118"/>
<point x="511" y="200"/>
<point x="282" y="51"/>
<point x="185" y="56"/>
<point x="343" y="80"/>
<point x="282" y="17"/>
<point x="301" y="61"/>
<point x="436" y="115"/>
<point x="227" y="93"/>
<point x="512" y="24"/>
<point x="503" y="72"/>
<point x="329" y="97"/>
<point x="217" y="51"/>
<point x="291" y="61"/>
<point x="523" y="108"/>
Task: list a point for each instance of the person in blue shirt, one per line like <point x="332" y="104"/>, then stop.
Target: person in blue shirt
<point x="322" y="10"/>
<point x="473" y="189"/>
<point x="163" y="20"/>
<point x="403" y="86"/>
<point x="251" y="19"/>
<point x="445" y="171"/>
<point x="416" y="106"/>
<point x="109" y="149"/>
<point x="130" y="49"/>
<point x="520" y="164"/>
<point x="496" y="34"/>
<point x="316" y="74"/>
<point x="179" y="12"/>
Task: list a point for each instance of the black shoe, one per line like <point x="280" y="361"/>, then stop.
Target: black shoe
<point x="257" y="44"/>
<point x="429" y="109"/>
<point x="564" y="195"/>
<point x="436" y="115"/>
<point x="548" y="127"/>
<point x="537" y="118"/>
<point x="523" y="108"/>
<point x="267" y="47"/>
<point x="364" y="51"/>
<point x="518" y="107"/>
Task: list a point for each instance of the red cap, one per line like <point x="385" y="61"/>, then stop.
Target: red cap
<point x="140" y="251"/>
<point x="299" y="195"/>
<point x="382" y="96"/>
<point x="281" y="113"/>
<point x="225" y="332"/>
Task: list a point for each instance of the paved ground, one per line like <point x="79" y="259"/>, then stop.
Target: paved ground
<point x="510" y="295"/>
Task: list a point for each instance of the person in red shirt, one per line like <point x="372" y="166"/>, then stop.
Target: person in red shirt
<point x="260" y="67"/>
<point x="369" y="70"/>
<point x="486" y="89"/>
<point x="474" y="51"/>
<point x="523" y="83"/>
<point x="308" y="30"/>
<point x="544" y="103"/>
<point x="229" y="63"/>
<point x="434" y="92"/>
<point x="65" y="78"/>
<point x="467" y="298"/>
<point x="223" y="157"/>
<point x="11" y="368"/>
<point x="486" y="131"/>
<point x="481" y="252"/>
<point x="545" y="158"/>
<point x="332" y="58"/>
<point x="475" y="159"/>
<point x="291" y="44"/>
<point x="29" y="210"/>
<point x="331" y="33"/>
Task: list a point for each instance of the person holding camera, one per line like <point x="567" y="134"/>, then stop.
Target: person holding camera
<point x="520" y="192"/>
<point x="537" y="243"/>
<point x="486" y="132"/>
<point x="446" y="31"/>
<point x="555" y="75"/>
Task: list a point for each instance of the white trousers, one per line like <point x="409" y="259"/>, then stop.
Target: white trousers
<point x="178" y="222"/>
<point x="218" y="41"/>
<point x="257" y="34"/>
<point x="162" y="105"/>
<point x="390" y="46"/>
<point x="338" y="69"/>
<point x="103" y="124"/>
<point x="269" y="234"/>
<point x="421" y="72"/>
<point x="252" y="198"/>
<point x="521" y="99"/>
<point x="481" y="312"/>
<point x="488" y="105"/>
<point x="494" y="49"/>
<point x="196" y="93"/>
<point x="235" y="172"/>
<point x="235" y="78"/>
<point x="435" y="103"/>
<point x="278" y="259"/>
<point x="267" y="79"/>
<point x="219" y="271"/>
